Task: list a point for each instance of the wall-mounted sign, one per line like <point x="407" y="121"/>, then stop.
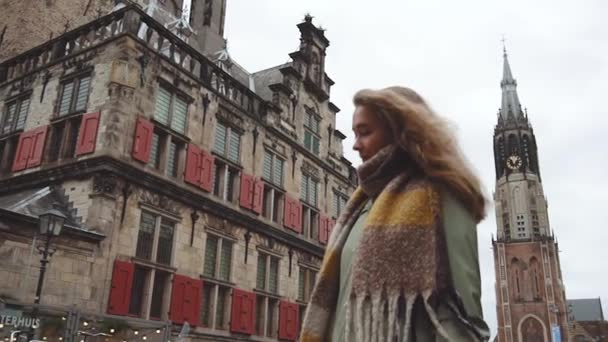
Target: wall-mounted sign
<point x="20" y="321"/>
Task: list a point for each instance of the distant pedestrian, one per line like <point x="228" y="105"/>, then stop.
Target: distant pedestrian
<point x="402" y="263"/>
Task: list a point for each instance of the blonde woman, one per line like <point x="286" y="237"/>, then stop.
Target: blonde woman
<point x="402" y="263"/>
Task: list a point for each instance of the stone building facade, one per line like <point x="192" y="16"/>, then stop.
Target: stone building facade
<point x="530" y="292"/>
<point x="194" y="190"/>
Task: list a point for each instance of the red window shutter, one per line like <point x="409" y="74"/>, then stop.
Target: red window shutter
<point x="297" y="216"/>
<point x="178" y="296"/>
<point x="192" y="301"/>
<point x="142" y="143"/>
<point x="24" y="148"/>
<point x="288" y="321"/>
<point x="287" y="210"/>
<point x="120" y="292"/>
<point x="323" y="228"/>
<point x="206" y="170"/>
<point x="192" y="174"/>
<point x="258" y="196"/>
<point x="243" y="312"/>
<point x="246" y="196"/>
<point x="38" y="140"/>
<point x="88" y="134"/>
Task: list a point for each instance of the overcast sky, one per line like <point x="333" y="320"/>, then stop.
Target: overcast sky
<point x="451" y="53"/>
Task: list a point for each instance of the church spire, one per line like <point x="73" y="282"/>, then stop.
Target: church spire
<point x="510" y="107"/>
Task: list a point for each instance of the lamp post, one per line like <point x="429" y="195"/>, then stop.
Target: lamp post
<point x="51" y="223"/>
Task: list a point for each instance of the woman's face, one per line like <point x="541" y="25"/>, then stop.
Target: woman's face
<point x="371" y="134"/>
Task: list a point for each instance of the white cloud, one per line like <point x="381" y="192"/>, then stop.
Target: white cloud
<point x="451" y="53"/>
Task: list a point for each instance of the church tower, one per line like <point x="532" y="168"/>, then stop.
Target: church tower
<point x="530" y="294"/>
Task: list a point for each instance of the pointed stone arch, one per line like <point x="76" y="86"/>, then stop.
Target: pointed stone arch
<point x="527" y="329"/>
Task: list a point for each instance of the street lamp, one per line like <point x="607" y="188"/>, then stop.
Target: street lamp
<point x="51" y="223"/>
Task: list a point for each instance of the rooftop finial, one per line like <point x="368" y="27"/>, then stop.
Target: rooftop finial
<point x="504" y="46"/>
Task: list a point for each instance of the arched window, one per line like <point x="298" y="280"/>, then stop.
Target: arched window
<point x="532" y="330"/>
<point x="500" y="157"/>
<point x="513" y="144"/>
<point x="526" y="152"/>
<point x="516" y="285"/>
<point x="535" y="278"/>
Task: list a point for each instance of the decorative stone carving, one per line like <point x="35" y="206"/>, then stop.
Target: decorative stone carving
<point x="160" y="201"/>
<point x="231" y="119"/>
<point x="105" y="184"/>
<point x="310" y="169"/>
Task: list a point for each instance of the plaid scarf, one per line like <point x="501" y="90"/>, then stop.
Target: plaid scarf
<point x="401" y="256"/>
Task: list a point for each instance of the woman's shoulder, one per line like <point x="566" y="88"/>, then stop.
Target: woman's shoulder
<point x="454" y="210"/>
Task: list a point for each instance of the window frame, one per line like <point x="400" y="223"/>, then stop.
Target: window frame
<point x="313" y="131"/>
<point x="75" y="79"/>
<point x="338" y="205"/>
<point x="221" y="239"/>
<point x="8" y="150"/>
<point x="268" y="258"/>
<point x="277" y="199"/>
<point x="154" y="252"/>
<point x="174" y="93"/>
<point x="18" y="101"/>
<point x="62" y="138"/>
<point x="264" y="326"/>
<point x="273" y="160"/>
<point x="308" y="271"/>
<point x="165" y="139"/>
<point x="230" y="130"/>
<point x="310" y="222"/>
<point x="222" y="172"/>
<point x="305" y="196"/>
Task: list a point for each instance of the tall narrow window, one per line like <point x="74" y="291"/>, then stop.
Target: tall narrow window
<point x="273" y="168"/>
<point x="74" y="94"/>
<point x="226" y="181"/>
<point x="15" y="115"/>
<point x="272" y="206"/>
<point x="310" y="222"/>
<point x="227" y="143"/>
<point x="165" y="151"/>
<point x="268" y="273"/>
<point x="171" y="109"/>
<point x="308" y="190"/>
<point x="155" y="238"/>
<point x="311" y="133"/>
<point x="306" y="282"/>
<point x="339" y="203"/>
<point x="217" y="269"/>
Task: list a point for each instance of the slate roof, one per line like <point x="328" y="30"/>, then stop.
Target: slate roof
<point x="586" y="309"/>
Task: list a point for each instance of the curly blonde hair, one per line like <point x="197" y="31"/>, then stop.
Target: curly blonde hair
<point x="426" y="139"/>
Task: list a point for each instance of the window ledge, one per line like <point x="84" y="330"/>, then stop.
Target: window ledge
<point x="168" y="130"/>
<point x="152" y="264"/>
<point x="267" y="294"/>
<point x="226" y="161"/>
<point x="216" y="281"/>
<point x="11" y="134"/>
<point x="57" y="118"/>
